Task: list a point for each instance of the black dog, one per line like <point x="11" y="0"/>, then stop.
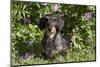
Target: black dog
<point x="53" y="42"/>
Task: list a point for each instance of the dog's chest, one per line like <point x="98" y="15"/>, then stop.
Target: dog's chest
<point x="58" y="43"/>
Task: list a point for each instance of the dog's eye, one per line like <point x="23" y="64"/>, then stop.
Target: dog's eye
<point x="46" y="19"/>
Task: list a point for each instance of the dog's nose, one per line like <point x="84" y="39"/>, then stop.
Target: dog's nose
<point x="49" y="29"/>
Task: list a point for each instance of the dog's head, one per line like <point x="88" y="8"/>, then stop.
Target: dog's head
<point x="51" y="23"/>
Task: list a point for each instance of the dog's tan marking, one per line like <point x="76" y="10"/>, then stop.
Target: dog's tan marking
<point x="53" y="32"/>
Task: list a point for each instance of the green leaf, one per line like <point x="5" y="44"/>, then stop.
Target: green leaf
<point x="38" y="5"/>
<point x="24" y="7"/>
<point x="23" y="13"/>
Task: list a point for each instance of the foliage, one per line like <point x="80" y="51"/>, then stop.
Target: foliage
<point x="80" y="21"/>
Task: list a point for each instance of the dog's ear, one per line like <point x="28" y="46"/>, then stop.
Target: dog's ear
<point x="42" y="22"/>
<point x="60" y="22"/>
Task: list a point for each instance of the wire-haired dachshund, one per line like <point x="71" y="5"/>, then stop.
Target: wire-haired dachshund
<point x="53" y="42"/>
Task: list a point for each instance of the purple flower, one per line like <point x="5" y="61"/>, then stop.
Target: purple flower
<point x="88" y="15"/>
<point x="27" y="20"/>
<point x="26" y="55"/>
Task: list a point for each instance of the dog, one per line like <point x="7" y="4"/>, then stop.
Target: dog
<point x="53" y="42"/>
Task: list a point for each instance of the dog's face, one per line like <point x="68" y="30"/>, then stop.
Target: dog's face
<point x="51" y="24"/>
<point x="51" y="27"/>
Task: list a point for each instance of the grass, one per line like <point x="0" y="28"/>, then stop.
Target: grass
<point x="74" y="55"/>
